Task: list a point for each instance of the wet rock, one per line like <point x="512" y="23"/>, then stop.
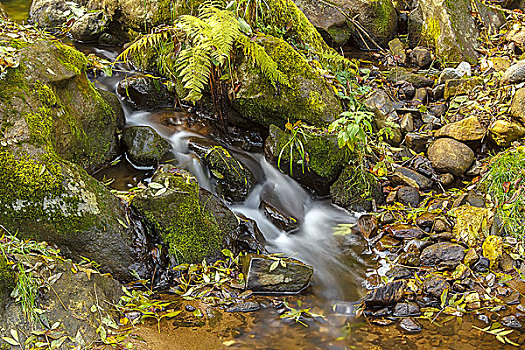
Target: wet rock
<point x="417" y="141"/>
<point x="515" y="74"/>
<point x="412" y="178"/>
<point x="309" y="98"/>
<point x="89" y="27"/>
<point x="279" y="217"/>
<point x="473" y="301"/>
<point x="367" y="226"/>
<point x="407" y="123"/>
<point x="388" y="294"/>
<point x="434" y="286"/>
<point x="426" y="221"/>
<point x="438" y="110"/>
<point x="381" y="312"/>
<point x="406" y="310"/>
<point x="386" y="243"/>
<point x="397" y="48"/>
<point x="517" y="108"/>
<point x="356" y="190"/>
<point x="145" y="93"/>
<point x="248" y="306"/>
<point x="469" y="221"/>
<point x="511" y="322"/>
<point x="262" y="278"/>
<point x="384" y="114"/>
<point x="443" y="255"/>
<point x="193" y="223"/>
<point x="463" y="86"/>
<point x="233" y="180"/>
<point x="468" y="129"/>
<point x="324" y="164"/>
<point x="409" y="196"/>
<point x="400" y="273"/>
<point x="504" y="132"/>
<point x="448" y="74"/>
<point x="471" y="257"/>
<point x="401" y="74"/>
<point x="145" y="146"/>
<point x="404" y="231"/>
<point x="410" y="257"/>
<point x="450" y="156"/>
<point x="421" y="57"/>
<point x="410" y="326"/>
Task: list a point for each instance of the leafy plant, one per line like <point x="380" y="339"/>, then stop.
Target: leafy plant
<point x="298" y="315"/>
<point x="352" y="129"/>
<point x="295" y="144"/>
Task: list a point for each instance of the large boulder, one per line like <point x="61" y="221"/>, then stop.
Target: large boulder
<point x="56" y="125"/>
<point x="377" y="18"/>
<point x="322" y="163"/>
<point x="449" y="27"/>
<point x="309" y="98"/>
<point x="193" y="223"/>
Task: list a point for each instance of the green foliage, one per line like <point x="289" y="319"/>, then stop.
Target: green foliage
<point x="504" y="182"/>
<point x="295" y="144"/>
<point x="299" y="314"/>
<point x="352" y="129"/>
<point x="195" y="47"/>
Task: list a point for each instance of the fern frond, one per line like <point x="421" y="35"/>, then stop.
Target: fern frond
<point x="224" y="32"/>
<point x="269" y="68"/>
<point x="148" y="41"/>
<point x="194" y="66"/>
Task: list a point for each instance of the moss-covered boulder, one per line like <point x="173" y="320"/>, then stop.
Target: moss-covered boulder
<point x="323" y="160"/>
<point x="378" y="18"/>
<point x="309" y="98"/>
<point x="449" y="27"/>
<point x="55" y="125"/>
<point x="193" y="223"/>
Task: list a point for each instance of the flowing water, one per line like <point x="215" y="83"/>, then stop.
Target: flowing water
<point x="343" y="265"/>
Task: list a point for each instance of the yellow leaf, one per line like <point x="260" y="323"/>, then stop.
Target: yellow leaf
<point x="493" y="249"/>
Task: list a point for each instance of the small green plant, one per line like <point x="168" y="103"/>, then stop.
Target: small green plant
<point x="295" y="144"/>
<point x="298" y="315"/>
<point x="353" y="129"/>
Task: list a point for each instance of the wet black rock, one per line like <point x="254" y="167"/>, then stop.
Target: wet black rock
<point x="144" y="146"/>
<point x="443" y="255"/>
<point x="482" y="265"/>
<point x="410" y="326"/>
<point x="145" y="93"/>
<point x="406" y="91"/>
<point x="400" y="273"/>
<point x="381" y="312"/>
<point x="279" y="217"/>
<point x="412" y="178"/>
<point x="511" y="322"/>
<point x="248" y="306"/>
<point x="388" y="294"/>
<point x="434" y="286"/>
<point x="409" y="196"/>
<point x="410" y="257"/>
<point x="273" y="275"/>
<point x="404" y="231"/>
<point x="406" y="310"/>
<point x="421" y="57"/>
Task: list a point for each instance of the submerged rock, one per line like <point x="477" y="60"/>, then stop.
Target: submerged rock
<point x="275" y="275"/>
<point x="323" y="161"/>
<point x="309" y="97"/>
<point x="410" y="326"/>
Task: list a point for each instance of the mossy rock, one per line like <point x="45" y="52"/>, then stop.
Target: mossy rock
<point x="323" y="164"/>
<point x="145" y="146"/>
<point x="52" y="117"/>
<point x="193" y="223"/>
<point x="309" y="98"/>
<point x="355" y="189"/>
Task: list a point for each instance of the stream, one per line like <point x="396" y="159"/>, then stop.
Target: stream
<point x="344" y="265"/>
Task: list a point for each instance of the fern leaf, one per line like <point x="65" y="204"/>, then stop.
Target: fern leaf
<point x="194" y="66"/>
<point x="224" y="31"/>
<point x="269" y="68"/>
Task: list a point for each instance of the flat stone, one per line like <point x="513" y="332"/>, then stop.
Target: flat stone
<point x="448" y="74"/>
<point x="398" y="74"/>
<point x="443" y="254"/>
<point x="468" y="129"/>
<point x="450" y="156"/>
<point x="404" y="231"/>
<point x="406" y="310"/>
<point x="292" y="278"/>
<point x="511" y="322"/>
<point x="412" y="178"/>
<point x="469" y="221"/>
<point x="434" y="286"/>
<point x="248" y="306"/>
<point x="410" y="326"/>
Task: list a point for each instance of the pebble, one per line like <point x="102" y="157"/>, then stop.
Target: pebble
<point x="511" y="322"/>
<point x="409" y="325"/>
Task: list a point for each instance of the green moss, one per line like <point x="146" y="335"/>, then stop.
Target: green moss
<point x="7" y="280"/>
<point x="383" y="11"/>
<point x="72" y="59"/>
<point x="188" y="229"/>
